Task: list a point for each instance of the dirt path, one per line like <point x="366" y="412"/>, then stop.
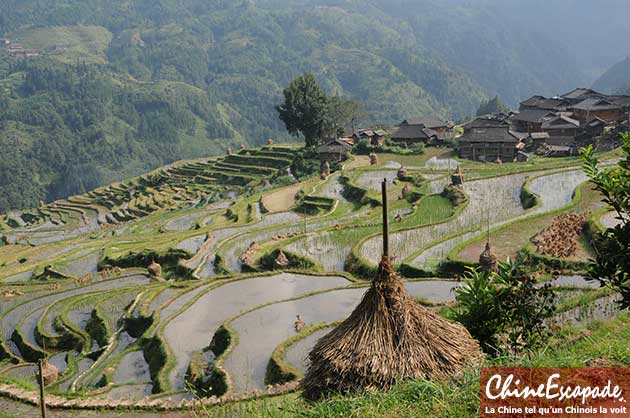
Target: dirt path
<point x="283" y="199"/>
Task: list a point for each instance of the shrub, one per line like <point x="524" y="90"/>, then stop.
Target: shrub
<point x="504" y="310"/>
<point x="284" y="181"/>
<point x="306" y="164"/>
<point x="455" y="195"/>
<point x="612" y="262"/>
<point x="479" y="310"/>
<point x="528" y="199"/>
<point x="362" y="147"/>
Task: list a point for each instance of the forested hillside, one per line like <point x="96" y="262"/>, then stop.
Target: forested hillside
<point x="122" y="86"/>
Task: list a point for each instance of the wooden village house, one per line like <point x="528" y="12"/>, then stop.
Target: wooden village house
<point x="577" y="118"/>
<point x="375" y="137"/>
<point x="334" y="150"/>
<point x="601" y="108"/>
<point x="491" y="139"/>
<point x="562" y="130"/>
<point x="427" y="130"/>
<point x="530" y="120"/>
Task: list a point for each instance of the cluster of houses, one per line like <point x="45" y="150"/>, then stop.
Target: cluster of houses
<point x="17" y="50"/>
<point x="556" y="126"/>
<point x="428" y="130"/>
<point x="552" y="127"/>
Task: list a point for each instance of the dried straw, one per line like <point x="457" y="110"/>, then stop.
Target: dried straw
<point x="388" y="338"/>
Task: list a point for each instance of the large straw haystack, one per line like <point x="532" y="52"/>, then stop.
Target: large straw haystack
<point x="388" y="338"/>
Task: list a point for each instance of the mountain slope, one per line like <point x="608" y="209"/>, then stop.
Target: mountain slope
<point x="152" y="82"/>
<point x="616" y="78"/>
<point x="400" y="58"/>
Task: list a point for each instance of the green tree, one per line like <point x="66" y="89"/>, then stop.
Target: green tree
<point x="494" y="105"/>
<point x="339" y="114"/>
<point x="612" y="261"/>
<point x="305" y="109"/>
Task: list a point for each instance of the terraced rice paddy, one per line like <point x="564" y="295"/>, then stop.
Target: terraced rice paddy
<point x="261" y="330"/>
<point x="296" y="354"/>
<point x="76" y="290"/>
<point x="192" y="330"/>
<point x="372" y="180"/>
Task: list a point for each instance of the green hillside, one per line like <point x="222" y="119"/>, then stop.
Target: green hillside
<point x="67" y="129"/>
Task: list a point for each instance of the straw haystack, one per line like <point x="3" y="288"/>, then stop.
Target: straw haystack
<point x="373" y="159"/>
<point x="326" y="171"/>
<point x="388" y="338"/>
<point x="281" y="260"/>
<point x="155" y="270"/>
<point x="50" y="373"/>
<point x="561" y="238"/>
<point x="488" y="260"/>
<point x="406" y="191"/>
<point x="11" y="293"/>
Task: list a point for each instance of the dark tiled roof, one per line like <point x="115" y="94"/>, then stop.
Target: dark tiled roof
<point x="430" y="121"/>
<point x="561" y="122"/>
<point x="490" y="134"/>
<point x="532" y="101"/>
<point x="580" y="93"/>
<point x="552" y="104"/>
<point x="487" y="121"/>
<point x="620" y="100"/>
<point x="596" y="103"/>
<point x="334" y="145"/>
<point x="541" y="102"/>
<point x="532" y="115"/>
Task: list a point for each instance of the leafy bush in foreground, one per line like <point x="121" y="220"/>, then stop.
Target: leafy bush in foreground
<point x="504" y="310"/>
<point x="612" y="262"/>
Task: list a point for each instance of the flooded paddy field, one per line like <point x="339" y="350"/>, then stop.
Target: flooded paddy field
<point x="261" y="330"/>
<point x="193" y="328"/>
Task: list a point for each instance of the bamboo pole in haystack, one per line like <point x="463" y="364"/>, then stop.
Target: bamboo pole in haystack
<point x="388" y="338"/>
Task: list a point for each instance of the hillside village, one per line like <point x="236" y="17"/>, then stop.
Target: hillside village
<point x="552" y="127"/>
<point x="17" y="50"/>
